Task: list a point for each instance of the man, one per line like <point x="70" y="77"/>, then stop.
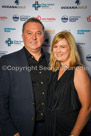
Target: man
<point x="23" y="84"/>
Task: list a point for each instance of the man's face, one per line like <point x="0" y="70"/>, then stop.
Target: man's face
<point x="33" y="36"/>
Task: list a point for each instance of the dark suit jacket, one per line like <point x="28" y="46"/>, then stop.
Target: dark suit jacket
<point x="17" y="110"/>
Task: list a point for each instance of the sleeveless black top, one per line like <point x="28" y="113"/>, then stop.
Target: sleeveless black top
<point x="63" y="104"/>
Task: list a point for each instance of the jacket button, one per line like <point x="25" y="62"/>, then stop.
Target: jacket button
<point x="33" y="118"/>
<point x="41" y="114"/>
<point x="33" y="103"/>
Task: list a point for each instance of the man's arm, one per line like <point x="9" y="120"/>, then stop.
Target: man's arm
<point x="6" y="122"/>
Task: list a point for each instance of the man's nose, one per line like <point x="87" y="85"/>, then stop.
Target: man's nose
<point x="34" y="36"/>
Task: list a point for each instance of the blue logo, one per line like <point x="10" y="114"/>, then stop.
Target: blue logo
<point x="64" y="19"/>
<point x="77" y="2"/>
<point x="15" y="17"/>
<point x="9" y="42"/>
<point x="17" y="2"/>
<point x="36" y="5"/>
<point x="9" y="29"/>
<point x="83" y="31"/>
<point x="88" y="57"/>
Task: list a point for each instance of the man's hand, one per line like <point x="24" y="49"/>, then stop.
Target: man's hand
<point x="17" y="134"/>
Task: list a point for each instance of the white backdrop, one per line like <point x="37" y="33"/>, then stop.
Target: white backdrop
<point x="56" y="15"/>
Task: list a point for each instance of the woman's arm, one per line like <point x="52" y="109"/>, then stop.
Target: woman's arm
<point x="17" y="134"/>
<point x="83" y="86"/>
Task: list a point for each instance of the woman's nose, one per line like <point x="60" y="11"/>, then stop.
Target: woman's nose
<point x="58" y="49"/>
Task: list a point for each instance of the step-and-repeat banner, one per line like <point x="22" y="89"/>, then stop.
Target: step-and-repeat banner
<point x="56" y="15"/>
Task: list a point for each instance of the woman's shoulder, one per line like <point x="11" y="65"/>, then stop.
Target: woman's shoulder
<point x="81" y="71"/>
<point x="81" y="76"/>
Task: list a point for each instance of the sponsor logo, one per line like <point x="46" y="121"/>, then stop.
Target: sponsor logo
<point x="83" y="31"/>
<point x="47" y="39"/>
<point x="3" y="53"/>
<point x="74" y="18"/>
<point x="21" y="18"/>
<point x="46" y="42"/>
<point x="46" y="19"/>
<point x="65" y="18"/>
<point x="9" y="29"/>
<point x="88" y="57"/>
<point x="17" y="5"/>
<point x="89" y="18"/>
<point x="37" y="5"/>
<point x="15" y="18"/>
<point x="3" y="18"/>
<point x="24" y="18"/>
<point x="9" y="42"/>
<point x="17" y="2"/>
<point x="80" y="44"/>
<point x="50" y="31"/>
<point x="78" y="3"/>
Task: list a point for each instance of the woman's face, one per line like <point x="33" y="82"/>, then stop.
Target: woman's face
<point x="61" y="51"/>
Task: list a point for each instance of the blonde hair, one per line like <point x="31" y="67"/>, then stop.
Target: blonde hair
<point x="74" y="56"/>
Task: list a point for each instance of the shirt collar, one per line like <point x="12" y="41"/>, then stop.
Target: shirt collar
<point x="28" y="55"/>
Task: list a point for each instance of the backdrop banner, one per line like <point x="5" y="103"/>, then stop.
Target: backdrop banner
<point x="56" y="15"/>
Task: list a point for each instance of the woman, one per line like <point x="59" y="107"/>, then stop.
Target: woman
<point x="69" y="89"/>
